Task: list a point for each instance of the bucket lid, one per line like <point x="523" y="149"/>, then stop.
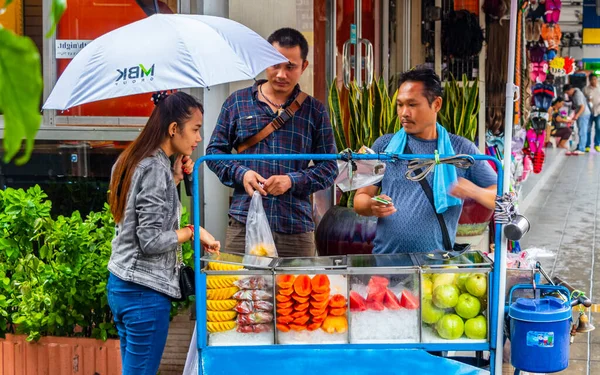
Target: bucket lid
<point x="547" y="309"/>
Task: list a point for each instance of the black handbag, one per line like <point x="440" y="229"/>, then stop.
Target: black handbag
<point x="451" y="250"/>
<point x="187" y="281"/>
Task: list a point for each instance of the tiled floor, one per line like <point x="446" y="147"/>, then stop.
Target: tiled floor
<point x="565" y="221"/>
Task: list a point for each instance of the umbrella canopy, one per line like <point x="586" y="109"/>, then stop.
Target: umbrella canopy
<point x="163" y="52"/>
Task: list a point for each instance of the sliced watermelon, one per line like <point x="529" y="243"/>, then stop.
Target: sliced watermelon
<point x="376" y="306"/>
<point x="378" y="280"/>
<point x="357" y="303"/>
<point x="376" y="293"/>
<point x="409" y="300"/>
<point x="390" y="300"/>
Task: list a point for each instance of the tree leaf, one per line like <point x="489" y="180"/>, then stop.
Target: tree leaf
<point x="20" y="93"/>
<point x="58" y="8"/>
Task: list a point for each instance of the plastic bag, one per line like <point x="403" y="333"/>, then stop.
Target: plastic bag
<point x="254" y="318"/>
<point x="252" y="295"/>
<point x="252" y="282"/>
<point x="254" y="328"/>
<point x="259" y="239"/>
<point x="359" y="173"/>
<point x="247" y="307"/>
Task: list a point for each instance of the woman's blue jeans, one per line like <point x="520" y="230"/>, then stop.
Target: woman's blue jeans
<point x="142" y="319"/>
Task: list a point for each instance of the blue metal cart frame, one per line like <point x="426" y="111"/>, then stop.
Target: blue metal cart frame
<point x="380" y="356"/>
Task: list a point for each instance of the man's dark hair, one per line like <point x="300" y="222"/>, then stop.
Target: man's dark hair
<point x="432" y="85"/>
<point x="567" y="87"/>
<point x="592" y="75"/>
<point x="289" y="38"/>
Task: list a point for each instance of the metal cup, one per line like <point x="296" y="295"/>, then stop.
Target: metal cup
<point x="517" y="228"/>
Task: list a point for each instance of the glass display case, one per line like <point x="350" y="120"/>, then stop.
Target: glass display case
<point x="311" y="300"/>
<point x="454" y="298"/>
<point x="239" y="299"/>
<point x="384" y="298"/>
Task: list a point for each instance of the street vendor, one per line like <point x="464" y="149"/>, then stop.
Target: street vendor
<point x="286" y="185"/>
<point x="407" y="222"/>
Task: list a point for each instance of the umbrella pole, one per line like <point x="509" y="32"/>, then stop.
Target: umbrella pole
<point x="156" y="7"/>
<point x="508" y="129"/>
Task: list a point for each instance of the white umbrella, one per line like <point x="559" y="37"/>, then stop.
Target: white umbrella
<point x="163" y="52"/>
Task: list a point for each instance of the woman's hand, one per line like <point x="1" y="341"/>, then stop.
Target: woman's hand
<point x="183" y="164"/>
<point x="208" y="242"/>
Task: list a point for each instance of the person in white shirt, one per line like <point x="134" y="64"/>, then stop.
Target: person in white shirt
<point x="592" y="92"/>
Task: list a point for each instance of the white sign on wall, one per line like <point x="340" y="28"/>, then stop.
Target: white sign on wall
<point x="67" y="49"/>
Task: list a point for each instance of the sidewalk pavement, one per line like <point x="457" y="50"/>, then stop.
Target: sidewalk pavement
<point x="563" y="211"/>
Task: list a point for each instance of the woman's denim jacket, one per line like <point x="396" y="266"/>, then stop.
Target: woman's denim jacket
<point x="144" y="250"/>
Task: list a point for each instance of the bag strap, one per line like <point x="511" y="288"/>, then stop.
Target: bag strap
<point x="429" y="193"/>
<point x="275" y="124"/>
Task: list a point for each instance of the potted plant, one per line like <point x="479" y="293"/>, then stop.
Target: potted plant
<point x="359" y="115"/>
<point x="460" y="109"/>
<point x="53" y="274"/>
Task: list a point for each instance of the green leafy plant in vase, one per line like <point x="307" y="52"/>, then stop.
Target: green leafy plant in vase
<point x="359" y="115"/>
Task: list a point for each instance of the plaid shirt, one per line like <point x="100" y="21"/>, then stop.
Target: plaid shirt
<point x="308" y="132"/>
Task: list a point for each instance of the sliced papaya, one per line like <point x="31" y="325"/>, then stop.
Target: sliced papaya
<point x="282" y="298"/>
<point x="287" y="311"/>
<point x="320" y="296"/>
<point x="302" y="306"/>
<point x="298" y="327"/>
<point x="338" y="311"/>
<point x="285" y="281"/>
<point x="317" y="312"/>
<point x="335" y="324"/>
<point x="299" y="299"/>
<point x="302" y="285"/>
<point x="301" y="320"/>
<point x="285" y="319"/>
<point x="298" y="314"/>
<point x="286" y="292"/>
<point x="283" y="327"/>
<point x="320" y="283"/>
<point x="319" y="304"/>
<point x="320" y="318"/>
<point x="314" y="326"/>
<point x="285" y="305"/>
<point x="337" y="300"/>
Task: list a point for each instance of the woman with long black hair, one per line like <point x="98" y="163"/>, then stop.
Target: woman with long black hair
<point x="146" y="250"/>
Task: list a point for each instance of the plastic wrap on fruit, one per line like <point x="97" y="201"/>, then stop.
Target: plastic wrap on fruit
<point x="247" y="307"/>
<point x="255" y="318"/>
<point x="252" y="295"/>
<point x="253" y="282"/>
<point x="254" y="328"/>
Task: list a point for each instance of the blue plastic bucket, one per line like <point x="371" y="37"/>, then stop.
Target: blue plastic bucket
<point x="539" y="334"/>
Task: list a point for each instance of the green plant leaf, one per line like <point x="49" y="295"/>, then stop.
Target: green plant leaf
<point x="20" y="93"/>
<point x="335" y="113"/>
<point x="58" y="8"/>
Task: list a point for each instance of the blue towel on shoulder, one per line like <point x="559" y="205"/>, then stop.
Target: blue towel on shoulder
<point x="444" y="175"/>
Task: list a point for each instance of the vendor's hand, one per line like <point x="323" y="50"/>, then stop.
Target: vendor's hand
<point x="380" y="209"/>
<point x="464" y="189"/>
<point x="277" y="185"/>
<point x="183" y="164"/>
<point x="252" y="181"/>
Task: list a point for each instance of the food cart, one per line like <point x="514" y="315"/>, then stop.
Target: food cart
<point x="345" y="314"/>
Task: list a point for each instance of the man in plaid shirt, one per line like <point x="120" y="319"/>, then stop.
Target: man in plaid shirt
<point x="286" y="185"/>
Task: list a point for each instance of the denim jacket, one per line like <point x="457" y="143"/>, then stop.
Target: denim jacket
<point x="144" y="250"/>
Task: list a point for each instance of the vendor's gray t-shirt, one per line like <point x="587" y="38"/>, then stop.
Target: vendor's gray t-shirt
<point x="414" y="227"/>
